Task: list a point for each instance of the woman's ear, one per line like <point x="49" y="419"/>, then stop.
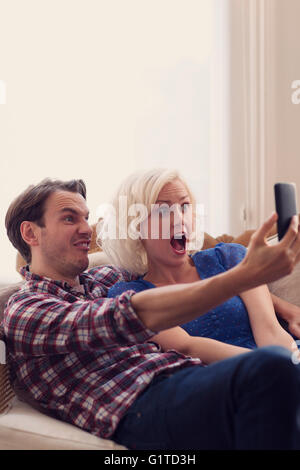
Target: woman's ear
<point x="29" y="232"/>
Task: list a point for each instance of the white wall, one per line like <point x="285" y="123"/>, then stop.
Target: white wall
<point x="99" y="88"/>
<point x="264" y="137"/>
<point x="286" y="70"/>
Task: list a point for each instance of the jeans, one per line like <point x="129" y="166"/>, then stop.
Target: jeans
<point x="250" y="401"/>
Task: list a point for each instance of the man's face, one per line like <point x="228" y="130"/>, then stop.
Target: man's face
<point x="64" y="240"/>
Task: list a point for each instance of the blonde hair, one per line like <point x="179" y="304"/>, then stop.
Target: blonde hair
<point x="141" y="187"/>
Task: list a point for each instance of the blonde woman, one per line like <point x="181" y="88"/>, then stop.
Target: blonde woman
<point x="160" y="257"/>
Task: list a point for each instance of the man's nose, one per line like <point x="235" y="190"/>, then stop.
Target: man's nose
<point x="85" y="227"/>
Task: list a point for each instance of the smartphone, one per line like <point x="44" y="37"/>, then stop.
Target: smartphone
<point x="286" y="206"/>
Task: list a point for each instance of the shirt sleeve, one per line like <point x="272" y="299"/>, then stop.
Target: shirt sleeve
<point x="41" y="324"/>
<point x="107" y="276"/>
<point x="230" y="254"/>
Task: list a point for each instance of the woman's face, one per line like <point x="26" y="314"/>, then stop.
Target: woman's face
<point x="166" y="230"/>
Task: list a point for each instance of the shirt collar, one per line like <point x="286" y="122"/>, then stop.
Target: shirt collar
<point x="84" y="278"/>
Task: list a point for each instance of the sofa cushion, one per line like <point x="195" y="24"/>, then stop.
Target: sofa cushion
<point x="5" y="293"/>
<point x="98" y="258"/>
<point x="24" y="428"/>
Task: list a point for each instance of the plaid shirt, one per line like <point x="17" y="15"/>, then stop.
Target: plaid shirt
<point x="81" y="357"/>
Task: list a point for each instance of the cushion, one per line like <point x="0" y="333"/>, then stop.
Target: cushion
<point x="24" y="428"/>
<point x="5" y="293"/>
<point x="98" y="258"/>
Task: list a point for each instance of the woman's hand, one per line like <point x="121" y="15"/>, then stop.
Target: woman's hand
<point x="294" y="325"/>
<point x="289" y="312"/>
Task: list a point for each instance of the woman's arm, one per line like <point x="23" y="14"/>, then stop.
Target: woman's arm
<point x="264" y="323"/>
<point x="207" y="349"/>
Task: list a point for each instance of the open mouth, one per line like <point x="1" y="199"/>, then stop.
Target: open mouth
<point x="179" y="243"/>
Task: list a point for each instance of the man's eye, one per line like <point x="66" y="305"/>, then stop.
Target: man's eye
<point x="68" y="218"/>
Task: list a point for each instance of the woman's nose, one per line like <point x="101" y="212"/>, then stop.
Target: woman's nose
<point x="178" y="217"/>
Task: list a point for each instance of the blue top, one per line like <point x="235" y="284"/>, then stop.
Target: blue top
<point x="228" y="322"/>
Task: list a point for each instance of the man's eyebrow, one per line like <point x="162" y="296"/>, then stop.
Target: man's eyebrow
<point x="72" y="210"/>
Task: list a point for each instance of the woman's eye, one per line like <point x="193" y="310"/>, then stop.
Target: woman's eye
<point x="164" y="210"/>
<point x="186" y="207"/>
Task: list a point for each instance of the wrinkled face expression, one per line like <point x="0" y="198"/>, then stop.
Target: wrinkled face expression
<point x="66" y="235"/>
<point x="168" y="227"/>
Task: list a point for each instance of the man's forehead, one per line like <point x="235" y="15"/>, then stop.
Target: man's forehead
<point x="60" y="200"/>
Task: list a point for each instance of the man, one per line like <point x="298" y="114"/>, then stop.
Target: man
<point x="90" y="361"/>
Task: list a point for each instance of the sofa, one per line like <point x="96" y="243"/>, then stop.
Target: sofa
<point x="23" y="427"/>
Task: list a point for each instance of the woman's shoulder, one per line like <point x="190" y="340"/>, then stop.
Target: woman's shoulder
<point x="137" y="285"/>
<point x="228" y="254"/>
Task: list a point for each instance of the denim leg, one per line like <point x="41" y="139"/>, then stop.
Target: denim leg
<point x="249" y="401"/>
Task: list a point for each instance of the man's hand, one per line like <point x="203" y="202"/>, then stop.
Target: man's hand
<point x="268" y="263"/>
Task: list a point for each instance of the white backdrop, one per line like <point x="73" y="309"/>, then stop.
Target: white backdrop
<point x="99" y="88"/>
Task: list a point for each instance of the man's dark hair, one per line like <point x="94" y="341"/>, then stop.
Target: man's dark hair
<point x="30" y="205"/>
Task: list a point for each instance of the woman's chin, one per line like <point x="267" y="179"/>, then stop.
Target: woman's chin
<point x="178" y="253"/>
<point x="177" y="259"/>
